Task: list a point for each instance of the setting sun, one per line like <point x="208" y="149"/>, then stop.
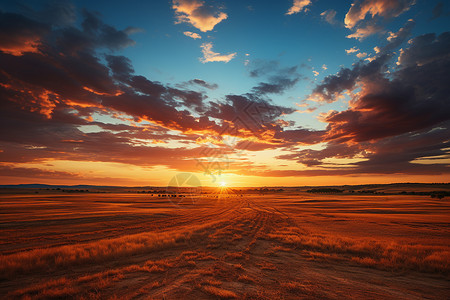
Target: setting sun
<point x="223" y="184"/>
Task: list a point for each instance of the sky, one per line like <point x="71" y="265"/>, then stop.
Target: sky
<point x="242" y="93"/>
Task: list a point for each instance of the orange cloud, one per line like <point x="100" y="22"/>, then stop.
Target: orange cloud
<point x="298" y="6"/>
<point x="351" y="50"/>
<point x="361" y="55"/>
<point x="363" y="32"/>
<point x="117" y="93"/>
<point x="24" y="35"/>
<point x="26" y="45"/>
<point x="211" y="56"/>
<point x="384" y="8"/>
<point x="192" y="35"/>
<point x="197" y="14"/>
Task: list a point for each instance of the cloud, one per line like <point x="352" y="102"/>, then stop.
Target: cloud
<point x="395" y="39"/>
<point x="329" y="16"/>
<point x="278" y="79"/>
<point x="35" y="173"/>
<point x="393" y="122"/>
<point x="351" y="50"/>
<point x="426" y="49"/>
<point x="437" y="10"/>
<point x="308" y="110"/>
<point x="363" y="32"/>
<point x="383" y="8"/>
<point x="298" y="6"/>
<point x="50" y="115"/>
<point x="19" y="34"/>
<point x="324" y="67"/>
<point x="300" y="136"/>
<point x="195" y="12"/>
<point x="192" y="35"/>
<point x="250" y="114"/>
<point x="56" y="13"/>
<point x="393" y="155"/>
<point x="332" y="86"/>
<point x="277" y="85"/>
<point x="260" y="67"/>
<point x="211" y="86"/>
<point x="361" y="55"/>
<point x="211" y="56"/>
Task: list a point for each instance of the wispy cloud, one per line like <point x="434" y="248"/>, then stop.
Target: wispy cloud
<point x="211" y="56"/>
<point x="192" y="35"/>
<point x="351" y="50"/>
<point x="383" y="8"/>
<point x="377" y="10"/>
<point x="363" y="32"/>
<point x="361" y="55"/>
<point x="329" y="16"/>
<point x="298" y="6"/>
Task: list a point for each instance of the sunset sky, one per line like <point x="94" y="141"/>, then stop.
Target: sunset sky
<point x="250" y="93"/>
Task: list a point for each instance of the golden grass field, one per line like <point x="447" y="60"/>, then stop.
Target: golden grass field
<point x="284" y="245"/>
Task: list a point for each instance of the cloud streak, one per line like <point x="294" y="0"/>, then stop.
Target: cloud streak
<point x="298" y="6"/>
<point x="210" y="56"/>
<point x="192" y="35"/>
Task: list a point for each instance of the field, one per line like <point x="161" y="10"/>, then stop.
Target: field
<point x="224" y="244"/>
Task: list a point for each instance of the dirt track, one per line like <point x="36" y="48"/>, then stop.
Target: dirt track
<point x="276" y="246"/>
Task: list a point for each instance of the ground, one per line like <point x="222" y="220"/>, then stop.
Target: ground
<point x="235" y="244"/>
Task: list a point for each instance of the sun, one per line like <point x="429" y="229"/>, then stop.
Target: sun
<point x="223" y="184"/>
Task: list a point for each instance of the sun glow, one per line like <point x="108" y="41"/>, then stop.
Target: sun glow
<point x="223" y="184"/>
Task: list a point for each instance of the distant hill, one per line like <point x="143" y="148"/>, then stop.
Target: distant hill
<point x="48" y="186"/>
<point x="391" y="187"/>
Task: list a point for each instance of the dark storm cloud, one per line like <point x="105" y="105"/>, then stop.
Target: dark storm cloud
<point x="397" y="38"/>
<point x="18" y="33"/>
<point x="333" y="85"/>
<point x="417" y="96"/>
<point x="259" y="67"/>
<point x="277" y="85"/>
<point x="104" y="34"/>
<point x="300" y="136"/>
<point x="120" y="66"/>
<point x="54" y="80"/>
<point x="311" y="157"/>
<point x="249" y="113"/>
<point x="426" y="49"/>
<point x="35" y="173"/>
<point x="394" y="155"/>
<point x="364" y="16"/>
<point x="395" y="120"/>
<point x="438" y="10"/>
<point x="278" y="79"/>
<point x="346" y="78"/>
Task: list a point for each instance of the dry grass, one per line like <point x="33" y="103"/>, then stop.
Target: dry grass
<point x="219" y="292"/>
<point x="212" y="282"/>
<point x="235" y="255"/>
<point x="384" y="254"/>
<point x="93" y="252"/>
<point x="274" y="248"/>
<point x="245" y="279"/>
<point x="300" y="289"/>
